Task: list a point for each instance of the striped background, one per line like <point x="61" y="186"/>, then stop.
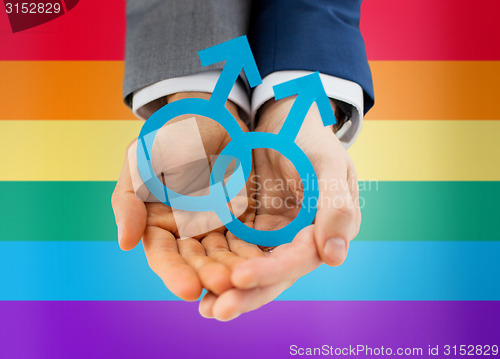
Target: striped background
<point x="423" y="270"/>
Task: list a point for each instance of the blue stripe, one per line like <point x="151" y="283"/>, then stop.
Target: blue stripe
<point x="373" y="271"/>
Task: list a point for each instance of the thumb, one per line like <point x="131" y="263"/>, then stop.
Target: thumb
<point x="338" y="217"/>
<point x="130" y="211"/>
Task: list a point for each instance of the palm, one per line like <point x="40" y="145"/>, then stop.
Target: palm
<point x="260" y="280"/>
<point x="278" y="202"/>
<point x="191" y="251"/>
<point x="194" y="244"/>
<point x="182" y="157"/>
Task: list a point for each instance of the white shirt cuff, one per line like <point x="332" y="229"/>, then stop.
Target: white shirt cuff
<point x="335" y="88"/>
<point x="200" y="82"/>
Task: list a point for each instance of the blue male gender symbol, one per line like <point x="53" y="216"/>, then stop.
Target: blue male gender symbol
<point x="308" y="89"/>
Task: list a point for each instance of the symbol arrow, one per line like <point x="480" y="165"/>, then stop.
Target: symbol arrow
<point x="238" y="56"/>
<point x="309" y="89"/>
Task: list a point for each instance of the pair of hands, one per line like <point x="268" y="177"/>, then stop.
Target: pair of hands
<point x="239" y="276"/>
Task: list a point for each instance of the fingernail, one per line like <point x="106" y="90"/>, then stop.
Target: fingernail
<point x="120" y="232"/>
<point x="336" y="249"/>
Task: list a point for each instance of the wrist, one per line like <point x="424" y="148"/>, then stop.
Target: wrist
<point x="273" y="113"/>
<point x="231" y="106"/>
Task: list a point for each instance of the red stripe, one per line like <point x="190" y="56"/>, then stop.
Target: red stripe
<point x="92" y="30"/>
<point x="431" y="29"/>
<point x="393" y="30"/>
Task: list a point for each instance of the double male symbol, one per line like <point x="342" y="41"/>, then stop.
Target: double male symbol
<point x="308" y="89"/>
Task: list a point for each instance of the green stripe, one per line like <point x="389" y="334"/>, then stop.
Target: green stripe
<point x="431" y="211"/>
<point x="393" y="211"/>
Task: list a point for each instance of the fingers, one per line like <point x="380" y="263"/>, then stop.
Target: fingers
<point x="229" y="250"/>
<point x="231" y="304"/>
<point x="284" y="264"/>
<point x="165" y="260"/>
<point x="214" y="276"/>
<point x="207" y="304"/>
<point x="217" y="248"/>
<point x="241" y="248"/>
<point x="338" y="217"/>
<point x="273" y="274"/>
<point x="130" y="212"/>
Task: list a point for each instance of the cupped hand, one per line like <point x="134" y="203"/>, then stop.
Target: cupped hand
<point x="259" y="280"/>
<point x="239" y="277"/>
<point x="187" y="251"/>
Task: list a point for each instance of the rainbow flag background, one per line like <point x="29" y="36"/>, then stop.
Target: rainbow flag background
<point x="424" y="270"/>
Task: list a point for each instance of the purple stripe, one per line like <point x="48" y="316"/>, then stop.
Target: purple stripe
<point x="175" y="329"/>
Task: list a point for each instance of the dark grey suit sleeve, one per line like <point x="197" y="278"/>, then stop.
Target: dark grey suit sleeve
<point x="164" y="37"/>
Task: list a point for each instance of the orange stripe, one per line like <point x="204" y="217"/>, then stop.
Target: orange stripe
<point x="62" y="90"/>
<point x="428" y="90"/>
<point x="405" y="90"/>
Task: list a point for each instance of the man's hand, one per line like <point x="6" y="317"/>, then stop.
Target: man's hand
<point x="260" y="280"/>
<point x="204" y="258"/>
<point x="239" y="277"/>
<point x="338" y="218"/>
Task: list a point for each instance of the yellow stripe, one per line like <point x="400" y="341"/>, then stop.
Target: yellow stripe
<point x="428" y="151"/>
<point x="385" y="150"/>
<point x="404" y="90"/>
